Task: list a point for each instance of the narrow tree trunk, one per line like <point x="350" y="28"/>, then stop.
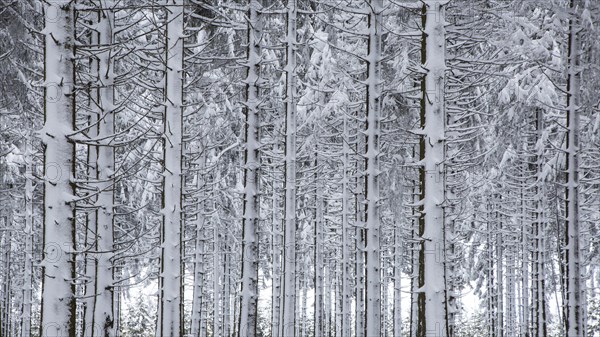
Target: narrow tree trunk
<point x="118" y="270"/>
<point x="198" y="313"/>
<point x="359" y="236"/>
<point x="538" y="263"/>
<point x="304" y="327"/>
<point x="511" y="329"/>
<point x="574" y="321"/>
<point x="431" y="301"/>
<point x="28" y="263"/>
<point x="398" y="242"/>
<point x="525" y="247"/>
<point x="58" y="265"/>
<point x="499" y="269"/>
<point x="385" y="264"/>
<point x="226" y="288"/>
<point x="91" y="225"/>
<point x="217" y="300"/>
<point x="289" y="238"/>
<point x="6" y="316"/>
<point x="276" y="252"/>
<point x="103" y="305"/>
<point x="199" y="310"/>
<point x="490" y="294"/>
<point x="346" y="329"/>
<point x="170" y="315"/>
<point x="373" y="226"/>
<point x="337" y="295"/>
<point x="319" y="316"/>
<point x="451" y="286"/>
<point x="414" y="256"/>
<point x="249" y="300"/>
<point x="327" y="275"/>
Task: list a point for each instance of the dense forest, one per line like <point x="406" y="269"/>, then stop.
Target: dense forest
<point x="298" y="168"/>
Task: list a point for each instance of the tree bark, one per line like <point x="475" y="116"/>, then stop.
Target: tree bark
<point x="104" y="319"/>
<point x="432" y="316"/>
<point x="346" y="294"/>
<point x="574" y="306"/>
<point x="289" y="238"/>
<point x="249" y="300"/>
<point x="198" y="312"/>
<point x="28" y="233"/>
<point x="373" y="225"/>
<point x="58" y="265"/>
<point x="170" y="315"/>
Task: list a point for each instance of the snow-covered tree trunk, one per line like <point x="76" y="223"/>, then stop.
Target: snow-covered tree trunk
<point x="170" y="315"/>
<point x="217" y="300"/>
<point x="574" y="319"/>
<point x="373" y="226"/>
<point x="452" y="289"/>
<point x="490" y="296"/>
<point x="398" y="243"/>
<point x="385" y="264"/>
<point x="226" y="287"/>
<point x="337" y="295"/>
<point x="276" y="252"/>
<point x="415" y="246"/>
<point x="525" y="248"/>
<point x="319" y="315"/>
<point x="289" y="238"/>
<point x="6" y="311"/>
<point x="431" y="301"/>
<point x="249" y="299"/>
<point x="499" y="267"/>
<point x="28" y="233"/>
<point x="538" y="227"/>
<point x="58" y="265"/>
<point x="304" y="324"/>
<point x="346" y="294"/>
<point x="359" y="236"/>
<point x="198" y="314"/>
<point x="327" y="290"/>
<point x="91" y="216"/>
<point x="511" y="319"/>
<point x="104" y="318"/>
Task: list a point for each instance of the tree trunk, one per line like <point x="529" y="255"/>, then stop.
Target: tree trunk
<point x="276" y="252"/>
<point x="499" y="269"/>
<point x="319" y="316"/>
<point x="398" y="242"/>
<point x="28" y="263"/>
<point x="490" y="294"/>
<point x="249" y="300"/>
<point x="373" y="226"/>
<point x="432" y="302"/>
<point x="7" y="297"/>
<point x="346" y="329"/>
<point x="226" y="287"/>
<point x="538" y="257"/>
<point x="289" y="238"/>
<point x="58" y="266"/>
<point x="359" y="236"/>
<point x="91" y="225"/>
<point x="198" y="313"/>
<point x="170" y="315"/>
<point x="525" y="247"/>
<point x="415" y="246"/>
<point x="103" y="324"/>
<point x="574" y="306"/>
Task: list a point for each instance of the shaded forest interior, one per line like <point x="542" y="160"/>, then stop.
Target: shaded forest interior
<point x="298" y="168"/>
